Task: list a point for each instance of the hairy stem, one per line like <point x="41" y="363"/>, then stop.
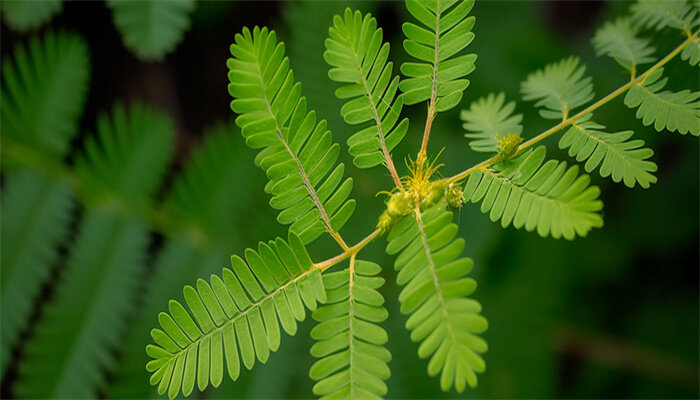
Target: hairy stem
<point x="433" y="90"/>
<point x="571" y="120"/>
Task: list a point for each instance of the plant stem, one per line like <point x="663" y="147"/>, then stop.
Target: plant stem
<point x="324" y="265"/>
<point x="588" y="110"/>
<point x="426" y="132"/>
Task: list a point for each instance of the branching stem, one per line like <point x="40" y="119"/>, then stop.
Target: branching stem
<point x="323" y="265"/>
<point x="570" y="121"/>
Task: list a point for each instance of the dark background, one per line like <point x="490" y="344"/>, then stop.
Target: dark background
<point x="614" y="314"/>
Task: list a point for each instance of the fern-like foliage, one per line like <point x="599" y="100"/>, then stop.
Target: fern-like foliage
<point x="43" y="91"/>
<point x="209" y="199"/>
<point x="237" y="317"/>
<point x="442" y="319"/>
<point x="617" y="156"/>
<point x="350" y="345"/>
<point x="658" y="14"/>
<point x="298" y="154"/>
<point x="119" y="167"/>
<point x="22" y="15"/>
<point x="619" y="40"/>
<point x="125" y="164"/>
<point x="151" y="28"/>
<point x="35" y="217"/>
<point x="358" y="58"/>
<point x="527" y="193"/>
<point x="307" y="23"/>
<point x="559" y="88"/>
<point x="673" y="111"/>
<point x="439" y="74"/>
<point x="488" y="120"/>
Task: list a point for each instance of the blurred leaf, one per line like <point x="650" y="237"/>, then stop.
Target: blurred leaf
<point x="36" y="212"/>
<point x="71" y="347"/>
<point x="488" y="120"/>
<point x="151" y="28"/>
<point x="43" y="91"/>
<point x="618" y="40"/>
<point x="24" y="15"/>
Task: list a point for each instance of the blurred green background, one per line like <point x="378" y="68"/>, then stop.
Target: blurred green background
<point x="612" y="315"/>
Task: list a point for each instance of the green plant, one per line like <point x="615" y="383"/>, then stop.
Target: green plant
<point x="235" y="317"/>
<point x="108" y="194"/>
<point x="149" y="28"/>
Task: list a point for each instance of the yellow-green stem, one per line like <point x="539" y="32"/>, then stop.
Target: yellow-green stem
<point x="323" y="265"/>
<point x="569" y="121"/>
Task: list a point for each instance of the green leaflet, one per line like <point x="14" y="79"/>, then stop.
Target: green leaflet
<point x="70" y="360"/>
<point x="177" y="264"/>
<point x="237" y="317"/>
<point x="488" y="120"/>
<point x="658" y="14"/>
<point x="151" y="28"/>
<point x="674" y="111"/>
<point x="618" y="157"/>
<point x="307" y="27"/>
<point x="35" y="218"/>
<point x="298" y="154"/>
<point x="43" y="91"/>
<point x="357" y="56"/>
<point x="208" y="200"/>
<point x="559" y="88"/>
<point x="618" y="40"/>
<point x="442" y="319"/>
<point x="439" y="74"/>
<point x="122" y="166"/>
<point x="692" y="53"/>
<point x="350" y="345"/>
<point x="548" y="197"/>
<point x="22" y="15"/>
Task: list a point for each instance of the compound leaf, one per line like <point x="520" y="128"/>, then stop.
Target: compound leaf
<point x="93" y="298"/>
<point x="619" y="40"/>
<point x="43" y="92"/>
<point x="617" y="156"/>
<point x="106" y="170"/>
<point x="438" y="76"/>
<point x="36" y="213"/>
<point x="435" y="290"/>
<point x="297" y="152"/>
<point x="527" y="193"/>
<point x="674" y="111"/>
<point x="359" y="58"/>
<point x="658" y="14"/>
<point x="488" y="120"/>
<point x="209" y="199"/>
<point x="559" y="88"/>
<point x="350" y="345"/>
<point x="22" y="15"/>
<point x="234" y="318"/>
<point x="151" y="28"/>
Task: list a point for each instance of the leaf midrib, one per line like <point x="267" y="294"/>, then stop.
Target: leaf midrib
<point x="236" y="317"/>
<point x="302" y="172"/>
